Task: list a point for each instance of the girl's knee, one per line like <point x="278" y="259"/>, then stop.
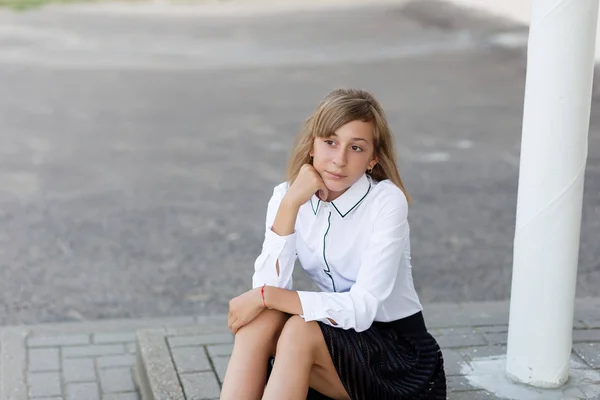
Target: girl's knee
<point x="268" y="323"/>
<point x="262" y="333"/>
<point x="299" y="335"/>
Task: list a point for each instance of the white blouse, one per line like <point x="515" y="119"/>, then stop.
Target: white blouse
<point x="357" y="250"/>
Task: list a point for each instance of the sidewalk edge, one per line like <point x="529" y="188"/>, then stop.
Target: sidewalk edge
<point x="13" y="363"/>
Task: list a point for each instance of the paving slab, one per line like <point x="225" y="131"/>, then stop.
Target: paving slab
<point x="91" y="359"/>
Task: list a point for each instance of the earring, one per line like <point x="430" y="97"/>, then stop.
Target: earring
<point x="370" y="170"/>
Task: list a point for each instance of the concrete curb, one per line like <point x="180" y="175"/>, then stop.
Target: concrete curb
<point x="13" y="364"/>
<point x="109" y="326"/>
<point x="155" y="371"/>
<point x="443" y="315"/>
<point x="219" y="7"/>
<point x="438" y="315"/>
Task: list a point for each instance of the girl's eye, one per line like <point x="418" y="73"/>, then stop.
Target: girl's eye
<point x="356" y="148"/>
<point x="329" y="142"/>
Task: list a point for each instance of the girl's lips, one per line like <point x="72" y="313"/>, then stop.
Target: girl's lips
<point x="335" y="176"/>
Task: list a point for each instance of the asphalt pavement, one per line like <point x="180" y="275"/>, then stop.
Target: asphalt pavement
<point x="139" y="146"/>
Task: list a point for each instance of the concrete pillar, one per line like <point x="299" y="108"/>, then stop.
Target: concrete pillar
<point x="560" y="65"/>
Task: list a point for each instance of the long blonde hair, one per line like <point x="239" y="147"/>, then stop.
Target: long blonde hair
<point x="339" y="107"/>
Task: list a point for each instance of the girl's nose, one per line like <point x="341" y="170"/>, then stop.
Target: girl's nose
<point x="340" y="158"/>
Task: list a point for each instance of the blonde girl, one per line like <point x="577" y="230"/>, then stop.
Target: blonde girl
<point x="343" y="214"/>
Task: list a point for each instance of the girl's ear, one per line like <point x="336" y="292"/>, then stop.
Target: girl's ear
<point x="374" y="162"/>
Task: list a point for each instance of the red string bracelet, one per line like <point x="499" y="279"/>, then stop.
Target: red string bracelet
<point x="262" y="294"/>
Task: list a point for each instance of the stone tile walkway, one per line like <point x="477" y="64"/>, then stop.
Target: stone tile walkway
<point x="74" y="361"/>
<point x="185" y="358"/>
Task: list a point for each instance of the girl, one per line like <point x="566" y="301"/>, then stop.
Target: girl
<point x="343" y="215"/>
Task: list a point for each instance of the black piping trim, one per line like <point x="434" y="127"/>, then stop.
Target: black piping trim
<point x="353" y="207"/>
<point x="313" y="208"/>
<point x="328" y="271"/>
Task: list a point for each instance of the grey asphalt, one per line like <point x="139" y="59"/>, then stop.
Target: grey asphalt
<point x="138" y="149"/>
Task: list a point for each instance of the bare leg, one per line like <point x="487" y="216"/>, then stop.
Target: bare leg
<point x="324" y="377"/>
<point x="302" y="359"/>
<point x="254" y="344"/>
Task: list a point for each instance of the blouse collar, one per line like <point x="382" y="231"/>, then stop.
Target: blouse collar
<point x="349" y="200"/>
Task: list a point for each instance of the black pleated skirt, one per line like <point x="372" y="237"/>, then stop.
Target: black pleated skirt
<point x="396" y="360"/>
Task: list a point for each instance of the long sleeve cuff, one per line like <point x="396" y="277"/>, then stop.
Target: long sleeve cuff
<point x="275" y="248"/>
<point x="355" y="309"/>
<point x="313" y="308"/>
<point x="281" y="246"/>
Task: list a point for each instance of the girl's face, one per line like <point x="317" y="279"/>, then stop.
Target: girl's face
<point x="342" y="158"/>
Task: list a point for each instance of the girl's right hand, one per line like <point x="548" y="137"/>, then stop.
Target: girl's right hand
<point x="307" y="183"/>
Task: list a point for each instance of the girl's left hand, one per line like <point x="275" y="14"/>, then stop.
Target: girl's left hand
<point x="244" y="308"/>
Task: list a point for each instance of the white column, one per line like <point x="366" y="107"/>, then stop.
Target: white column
<point x="560" y="64"/>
